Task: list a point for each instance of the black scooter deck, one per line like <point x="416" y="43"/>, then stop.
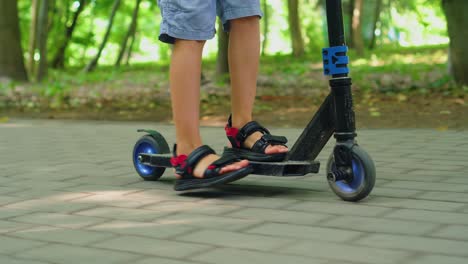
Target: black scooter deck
<point x="285" y="168"/>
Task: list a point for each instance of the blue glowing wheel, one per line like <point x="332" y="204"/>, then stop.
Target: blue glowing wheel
<point x="363" y="180"/>
<point x="149" y="144"/>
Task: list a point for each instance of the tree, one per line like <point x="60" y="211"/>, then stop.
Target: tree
<point x="130" y="48"/>
<point x="357" y="40"/>
<point x="88" y="34"/>
<point x="11" y="52"/>
<point x="297" y="40"/>
<point x="131" y="31"/>
<point x="266" y="26"/>
<point x="377" y="11"/>
<point x="222" y="62"/>
<point x="42" y="33"/>
<point x="350" y="24"/>
<point x="53" y="12"/>
<point x="457" y="22"/>
<point x="59" y="58"/>
<point x="93" y="63"/>
<point x="33" y="37"/>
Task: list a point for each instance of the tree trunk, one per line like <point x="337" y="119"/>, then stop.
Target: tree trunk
<point x="295" y="26"/>
<point x="349" y="34"/>
<point x="130" y="48"/>
<point x="33" y="37"/>
<point x="457" y="22"/>
<point x="358" y="41"/>
<point x="89" y="35"/>
<point x="266" y="26"/>
<point x="11" y="52"/>
<point x="378" y="10"/>
<point x="53" y="13"/>
<point x="93" y="63"/>
<point x="42" y="32"/>
<point x="449" y="62"/>
<point x="131" y="30"/>
<point x="222" y="62"/>
<point x="59" y="58"/>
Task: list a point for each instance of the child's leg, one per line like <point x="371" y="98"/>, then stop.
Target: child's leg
<point x="185" y="75"/>
<point x="244" y="56"/>
<point x="185" y="95"/>
<point x="244" y="50"/>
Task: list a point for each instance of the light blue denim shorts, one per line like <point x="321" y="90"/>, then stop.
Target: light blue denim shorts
<point x="196" y="19"/>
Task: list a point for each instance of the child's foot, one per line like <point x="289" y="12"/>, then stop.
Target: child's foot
<point x="203" y="164"/>
<point x="270" y="149"/>
<point x="254" y="142"/>
<point x="203" y="168"/>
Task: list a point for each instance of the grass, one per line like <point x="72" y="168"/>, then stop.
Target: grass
<point x="389" y="71"/>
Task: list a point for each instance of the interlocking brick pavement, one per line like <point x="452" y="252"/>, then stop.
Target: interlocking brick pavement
<point x="69" y="194"/>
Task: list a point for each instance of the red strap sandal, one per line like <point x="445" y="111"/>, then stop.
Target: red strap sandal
<point x="185" y="166"/>
<point x="257" y="152"/>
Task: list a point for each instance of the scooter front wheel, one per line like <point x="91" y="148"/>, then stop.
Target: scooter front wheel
<point x="363" y="180"/>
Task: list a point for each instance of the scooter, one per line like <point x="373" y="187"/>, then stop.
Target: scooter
<point x="350" y="170"/>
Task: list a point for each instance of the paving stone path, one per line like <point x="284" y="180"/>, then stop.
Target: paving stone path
<point x="69" y="194"/>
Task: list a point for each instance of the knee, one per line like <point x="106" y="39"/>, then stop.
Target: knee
<point x="197" y="44"/>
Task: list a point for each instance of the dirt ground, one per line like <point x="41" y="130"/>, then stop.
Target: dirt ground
<point x="288" y="111"/>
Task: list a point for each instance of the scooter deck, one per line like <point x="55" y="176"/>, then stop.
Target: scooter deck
<point x="284" y="168"/>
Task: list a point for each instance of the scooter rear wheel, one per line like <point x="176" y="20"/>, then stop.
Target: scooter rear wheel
<point x="149" y="144"/>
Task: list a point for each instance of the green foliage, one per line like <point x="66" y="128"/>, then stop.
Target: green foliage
<point x="312" y="24"/>
<point x="401" y="23"/>
<point x="395" y="72"/>
<point x="410" y="59"/>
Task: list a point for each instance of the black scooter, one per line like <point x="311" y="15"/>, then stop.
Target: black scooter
<point x="350" y="170"/>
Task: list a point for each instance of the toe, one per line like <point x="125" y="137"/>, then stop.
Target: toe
<point x="283" y="148"/>
<point x="178" y="176"/>
<point x="235" y="166"/>
<point x="276" y="149"/>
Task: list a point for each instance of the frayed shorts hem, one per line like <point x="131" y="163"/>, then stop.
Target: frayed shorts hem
<point x="170" y="35"/>
<point x="175" y="26"/>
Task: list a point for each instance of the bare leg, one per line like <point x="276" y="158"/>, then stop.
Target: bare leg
<point x="244" y="57"/>
<point x="185" y="75"/>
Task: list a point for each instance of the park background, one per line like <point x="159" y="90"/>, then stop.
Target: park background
<point x="69" y="192"/>
<point x="101" y="59"/>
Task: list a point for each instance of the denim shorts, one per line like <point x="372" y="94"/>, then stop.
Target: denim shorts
<point x="196" y="19"/>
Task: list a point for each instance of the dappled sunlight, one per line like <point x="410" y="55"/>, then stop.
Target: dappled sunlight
<point x="298" y="110"/>
<point x="438" y="57"/>
<point x="74" y="201"/>
<point x="104" y="194"/>
<point x="359" y="62"/>
<point x="176" y="222"/>
<point x="115" y="198"/>
<point x="396" y="58"/>
<point x="393" y="57"/>
<point x="13" y="125"/>
<point x="422" y="27"/>
<point x="316" y="66"/>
